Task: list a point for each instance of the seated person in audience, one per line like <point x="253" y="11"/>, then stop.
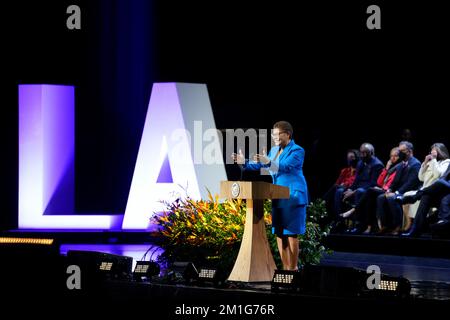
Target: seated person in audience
<point x="433" y="167"/>
<point x="389" y="209"/>
<point x="365" y="217"/>
<point x="435" y="195"/>
<point x="348" y="174"/>
<point x="345" y="180"/>
<point x="443" y="223"/>
<point x="367" y="171"/>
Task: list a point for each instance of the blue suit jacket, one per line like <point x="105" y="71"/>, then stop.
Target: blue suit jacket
<point x="287" y="170"/>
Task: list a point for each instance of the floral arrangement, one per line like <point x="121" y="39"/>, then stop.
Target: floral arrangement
<point x="210" y="231"/>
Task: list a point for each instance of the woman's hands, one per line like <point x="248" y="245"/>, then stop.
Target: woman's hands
<point x="263" y="158"/>
<point x="388" y="164"/>
<point x="238" y="157"/>
<point x="428" y="158"/>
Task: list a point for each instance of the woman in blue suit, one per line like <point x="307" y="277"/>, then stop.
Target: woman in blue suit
<point x="284" y="162"/>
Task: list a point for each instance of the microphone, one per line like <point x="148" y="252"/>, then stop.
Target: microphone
<point x="241" y="167"/>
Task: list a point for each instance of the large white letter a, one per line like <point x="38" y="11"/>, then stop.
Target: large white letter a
<point x="165" y="163"/>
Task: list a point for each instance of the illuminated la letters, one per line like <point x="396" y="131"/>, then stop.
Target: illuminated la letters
<point x="164" y="164"/>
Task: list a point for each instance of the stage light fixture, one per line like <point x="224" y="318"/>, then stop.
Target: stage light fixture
<point x="210" y="276"/>
<point x="287" y="280"/>
<point x="207" y="273"/>
<point x="392" y="286"/>
<point x="105" y="266"/>
<point x="182" y="271"/>
<point x="99" y="266"/>
<point x="388" y="285"/>
<point x="144" y="270"/>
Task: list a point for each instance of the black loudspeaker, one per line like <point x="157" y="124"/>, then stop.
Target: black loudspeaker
<point x="349" y="282"/>
<point x="331" y="281"/>
<point x="183" y="272"/>
<point x="146" y="270"/>
<point x="96" y="267"/>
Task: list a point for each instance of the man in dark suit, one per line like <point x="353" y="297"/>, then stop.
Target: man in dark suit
<point x="367" y="171"/>
<point x="435" y="195"/>
<point x="389" y="210"/>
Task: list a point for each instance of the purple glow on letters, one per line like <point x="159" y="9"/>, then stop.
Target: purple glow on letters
<point x="46" y="161"/>
<point x="164" y="167"/>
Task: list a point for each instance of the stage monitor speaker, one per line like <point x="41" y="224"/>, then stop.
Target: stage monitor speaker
<point x="212" y="276"/>
<point x="146" y="270"/>
<point x="349" y="282"/>
<point x="331" y="281"/>
<point x="183" y="272"/>
<point x="97" y="267"/>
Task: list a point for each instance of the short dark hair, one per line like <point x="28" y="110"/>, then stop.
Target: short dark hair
<point x="284" y="126"/>
<point x="355" y="152"/>
<point x="408" y="145"/>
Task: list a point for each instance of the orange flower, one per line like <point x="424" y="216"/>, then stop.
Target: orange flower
<point x="201" y="216"/>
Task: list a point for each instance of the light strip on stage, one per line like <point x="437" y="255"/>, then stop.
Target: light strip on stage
<point x="46" y="161"/>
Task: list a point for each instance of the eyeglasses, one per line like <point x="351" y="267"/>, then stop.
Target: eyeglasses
<point x="276" y="135"/>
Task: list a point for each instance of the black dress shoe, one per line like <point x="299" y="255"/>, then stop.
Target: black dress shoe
<point x="412" y="233"/>
<point x="356" y="230"/>
<point x="440" y="225"/>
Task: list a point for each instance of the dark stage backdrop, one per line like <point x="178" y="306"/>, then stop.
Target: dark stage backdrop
<point x="314" y="64"/>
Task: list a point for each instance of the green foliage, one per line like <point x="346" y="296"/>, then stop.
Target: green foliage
<point x="311" y="243"/>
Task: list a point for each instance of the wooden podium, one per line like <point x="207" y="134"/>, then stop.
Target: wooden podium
<point x="255" y="261"/>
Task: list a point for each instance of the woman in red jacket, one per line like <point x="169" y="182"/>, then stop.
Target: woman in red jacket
<point x="345" y="180"/>
<point x="387" y="176"/>
<point x="348" y="174"/>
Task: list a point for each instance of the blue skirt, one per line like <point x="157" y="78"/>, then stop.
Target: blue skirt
<point x="288" y="217"/>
